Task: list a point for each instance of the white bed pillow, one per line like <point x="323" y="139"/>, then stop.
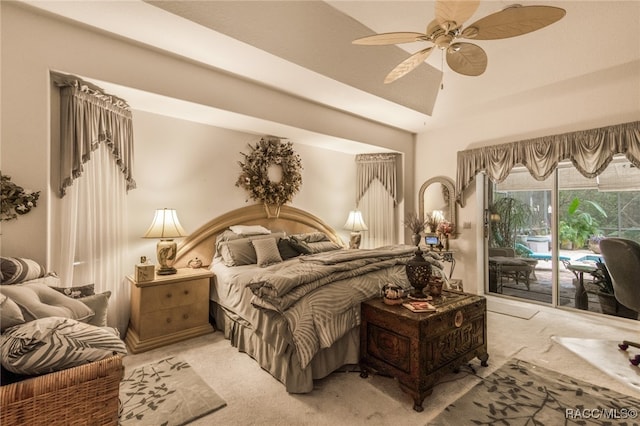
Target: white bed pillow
<point x="249" y="229"/>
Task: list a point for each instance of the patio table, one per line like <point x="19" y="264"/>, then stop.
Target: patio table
<point x="578" y="269"/>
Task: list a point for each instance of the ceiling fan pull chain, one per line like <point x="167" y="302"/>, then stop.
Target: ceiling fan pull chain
<point x="442" y="69"/>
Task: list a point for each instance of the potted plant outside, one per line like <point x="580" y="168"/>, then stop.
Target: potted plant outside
<point x="583" y="225"/>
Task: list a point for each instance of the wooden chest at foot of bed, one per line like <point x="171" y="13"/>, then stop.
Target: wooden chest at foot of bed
<point x="419" y="348"/>
<point x="168" y="309"/>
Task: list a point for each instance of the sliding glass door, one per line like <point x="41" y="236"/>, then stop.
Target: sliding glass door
<point x="543" y="236"/>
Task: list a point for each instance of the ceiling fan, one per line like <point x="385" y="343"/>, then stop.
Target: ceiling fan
<point x="445" y="30"/>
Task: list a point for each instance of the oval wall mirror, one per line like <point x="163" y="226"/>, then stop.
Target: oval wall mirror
<point x="438" y="194"/>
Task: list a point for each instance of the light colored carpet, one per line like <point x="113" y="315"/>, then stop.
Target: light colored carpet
<point x="344" y="398"/>
<point x="605" y="355"/>
<point x="513" y="310"/>
<point x="167" y="392"/>
<point x="520" y="393"/>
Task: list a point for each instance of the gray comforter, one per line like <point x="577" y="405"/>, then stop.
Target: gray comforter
<point x="320" y="295"/>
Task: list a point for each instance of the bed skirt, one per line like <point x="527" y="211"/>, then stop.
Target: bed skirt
<point x="286" y="367"/>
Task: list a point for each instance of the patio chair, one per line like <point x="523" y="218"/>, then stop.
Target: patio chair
<point x="622" y="258"/>
<point x="503" y="261"/>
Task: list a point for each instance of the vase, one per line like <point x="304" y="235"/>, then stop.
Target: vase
<point x="418" y="273"/>
<point x="415" y="239"/>
<point x="435" y="286"/>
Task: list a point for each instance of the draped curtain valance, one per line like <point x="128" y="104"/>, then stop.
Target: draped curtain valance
<point x="376" y="166"/>
<point x="590" y="151"/>
<point x="88" y="118"/>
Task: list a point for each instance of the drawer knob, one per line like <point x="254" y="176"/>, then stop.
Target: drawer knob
<point x="185" y="316"/>
<point x="168" y="295"/>
<point x="186" y="292"/>
<point x="168" y="320"/>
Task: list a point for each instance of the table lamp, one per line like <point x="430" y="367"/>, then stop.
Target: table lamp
<point x="166" y="226"/>
<point x="355" y="224"/>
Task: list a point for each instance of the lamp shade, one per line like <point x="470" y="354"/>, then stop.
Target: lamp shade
<point x="165" y="225"/>
<point x="355" y="222"/>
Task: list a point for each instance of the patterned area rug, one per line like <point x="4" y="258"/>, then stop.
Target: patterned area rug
<point x="520" y="393"/>
<point x="166" y="392"/>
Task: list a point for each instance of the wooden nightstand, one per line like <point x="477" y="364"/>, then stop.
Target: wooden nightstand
<point x="168" y="309"/>
<point x="419" y="348"/>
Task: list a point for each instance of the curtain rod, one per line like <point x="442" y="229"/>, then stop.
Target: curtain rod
<point x="63" y="80"/>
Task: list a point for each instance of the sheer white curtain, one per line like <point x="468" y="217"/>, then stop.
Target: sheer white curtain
<point x="377" y="198"/>
<point x="92" y="248"/>
<point x="96" y="158"/>
<point x="378" y="211"/>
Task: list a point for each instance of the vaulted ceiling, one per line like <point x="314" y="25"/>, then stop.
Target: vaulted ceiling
<point x="305" y="48"/>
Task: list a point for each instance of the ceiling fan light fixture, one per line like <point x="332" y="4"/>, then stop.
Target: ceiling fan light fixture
<point x="466" y="58"/>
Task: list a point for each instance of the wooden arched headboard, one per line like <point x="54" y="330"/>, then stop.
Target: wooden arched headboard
<point x="201" y="243"/>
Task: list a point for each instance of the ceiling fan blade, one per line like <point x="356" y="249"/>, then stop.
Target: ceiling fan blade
<point x="457" y="11"/>
<point x="390" y="38"/>
<point x="408" y="65"/>
<point x="513" y="21"/>
<point x="467" y="59"/>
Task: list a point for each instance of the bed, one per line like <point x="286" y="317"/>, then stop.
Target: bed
<point x="299" y="318"/>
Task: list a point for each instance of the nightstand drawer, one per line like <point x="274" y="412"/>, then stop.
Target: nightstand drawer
<point x="168" y="321"/>
<point x="178" y="294"/>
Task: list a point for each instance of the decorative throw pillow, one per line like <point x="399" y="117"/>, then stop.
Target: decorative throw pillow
<point x="322" y="246"/>
<point x="299" y="245"/>
<point x="17" y="269"/>
<point x="54" y="343"/>
<point x="237" y="252"/>
<point x="286" y="249"/>
<point x="10" y="313"/>
<point x="311" y="237"/>
<point x="77" y="291"/>
<point x="99" y="304"/>
<point x="266" y="251"/>
<point x="39" y="301"/>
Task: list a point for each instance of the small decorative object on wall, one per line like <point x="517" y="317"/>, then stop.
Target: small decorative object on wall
<point x="271" y="173"/>
<point x="15" y="199"/>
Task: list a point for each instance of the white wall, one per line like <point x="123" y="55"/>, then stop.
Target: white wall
<point x="193" y="167"/>
<point x="33" y="43"/>
<point x="587" y="102"/>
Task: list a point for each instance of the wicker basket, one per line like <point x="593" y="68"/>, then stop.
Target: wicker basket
<point x="83" y="395"/>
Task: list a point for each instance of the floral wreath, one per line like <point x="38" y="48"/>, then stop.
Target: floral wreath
<point x="255" y="171"/>
<point x="15" y="199"/>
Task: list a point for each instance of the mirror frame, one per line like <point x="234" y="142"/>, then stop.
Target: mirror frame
<point x="448" y="186"/>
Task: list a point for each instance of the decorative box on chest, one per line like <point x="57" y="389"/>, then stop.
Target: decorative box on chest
<point x="419" y="348"/>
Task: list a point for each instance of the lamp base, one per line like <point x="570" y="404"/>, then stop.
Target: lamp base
<point x="166" y="271"/>
<point x="166" y="253"/>
<point x="354" y="241"/>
